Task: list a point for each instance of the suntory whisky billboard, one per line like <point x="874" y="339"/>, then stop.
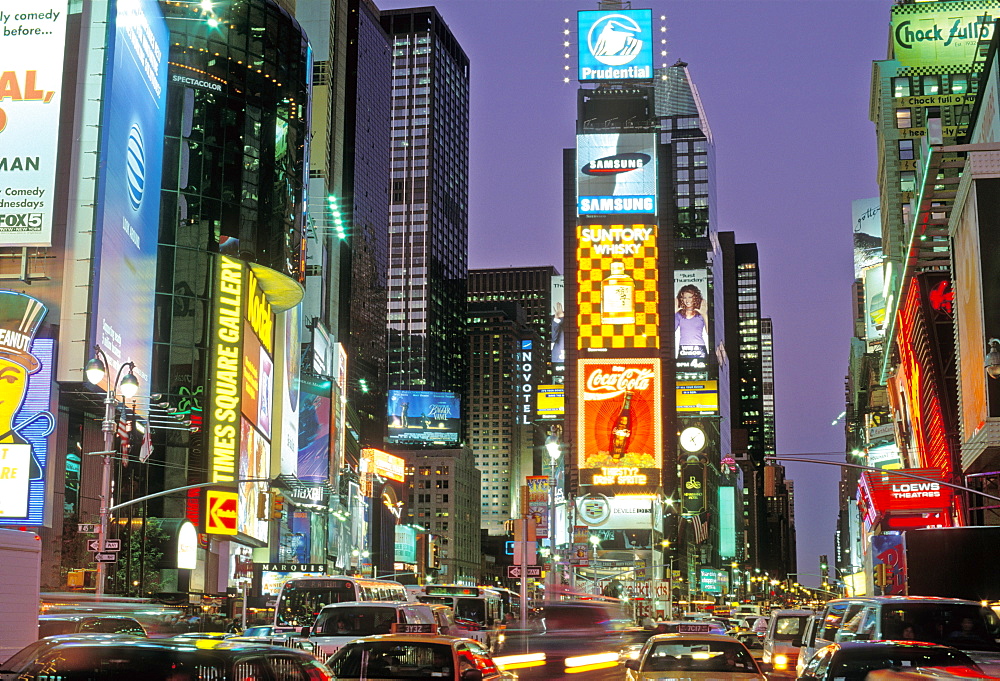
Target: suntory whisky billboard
<point x="617" y="294"/>
<point x="616" y="173"/>
<point x="618" y="424"/>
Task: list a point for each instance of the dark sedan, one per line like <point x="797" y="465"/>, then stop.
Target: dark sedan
<point x="172" y="660"/>
<point x="851" y="661"/>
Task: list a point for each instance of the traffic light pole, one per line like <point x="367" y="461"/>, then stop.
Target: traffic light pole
<point x="137" y="500"/>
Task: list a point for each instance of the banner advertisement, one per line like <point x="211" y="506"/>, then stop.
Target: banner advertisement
<point x="616" y="173"/>
<point x="538" y="503"/>
<point x="692" y="344"/>
<point x="128" y="194"/>
<point x="557" y="291"/>
<point x="26" y="419"/>
<point x="254" y="463"/>
<point x="619" y="426"/>
<point x="338" y="430"/>
<point x="615" y="512"/>
<point x="615" y="44"/>
<point x="938" y="34"/>
<point x="693" y="484"/>
<point x="423" y="416"/>
<point x="580" y="553"/>
<point x="287" y="383"/>
<point x="889" y="564"/>
<point x="31" y="48"/>
<point x="617" y="292"/>
<point x="866" y="215"/>
<point x="406" y="544"/>
<point x="875" y="304"/>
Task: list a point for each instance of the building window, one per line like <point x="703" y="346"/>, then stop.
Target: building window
<point x="904" y="118"/>
<point x="959" y="83"/>
<point x="905" y="150"/>
<point x="900" y="87"/>
<point x="907" y="180"/>
<point x="931" y="85"/>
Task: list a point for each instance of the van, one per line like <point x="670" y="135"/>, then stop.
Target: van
<point x="809" y="646"/>
<point x="783" y="638"/>
<point x="341" y="623"/>
<point x="955" y="622"/>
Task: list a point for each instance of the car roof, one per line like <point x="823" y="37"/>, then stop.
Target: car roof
<point x="381" y="604"/>
<point x="412" y="638"/>
<point x="876" y="645"/>
<point x="693" y="637"/>
<point x="195" y="645"/>
<point x="901" y="599"/>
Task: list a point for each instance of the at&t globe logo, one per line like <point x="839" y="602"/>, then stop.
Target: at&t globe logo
<point x="135" y="168"/>
<point x="617" y="46"/>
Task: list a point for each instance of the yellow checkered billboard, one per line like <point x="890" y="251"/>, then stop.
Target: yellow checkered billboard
<point x="617" y="294"/>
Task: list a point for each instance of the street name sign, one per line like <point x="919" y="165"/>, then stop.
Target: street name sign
<point x="86" y="527"/>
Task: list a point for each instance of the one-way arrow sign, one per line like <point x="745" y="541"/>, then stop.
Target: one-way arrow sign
<point x="515" y="571"/>
<point x="105" y="557"/>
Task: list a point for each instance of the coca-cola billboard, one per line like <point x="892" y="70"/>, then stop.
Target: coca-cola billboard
<point x="618" y="424"/>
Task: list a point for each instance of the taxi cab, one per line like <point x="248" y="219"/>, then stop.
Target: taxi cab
<point x="415" y="656"/>
<point x="693" y="656"/>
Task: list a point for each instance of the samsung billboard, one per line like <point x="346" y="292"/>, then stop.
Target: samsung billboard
<point x="421" y="416"/>
<point x="615" y="44"/>
<point x="616" y="173"/>
<point x="128" y="196"/>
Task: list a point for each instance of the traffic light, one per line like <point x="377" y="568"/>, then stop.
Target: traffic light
<point x="263" y="506"/>
<point x="824" y="565"/>
<point x="277" y="505"/>
<point x="435" y="556"/>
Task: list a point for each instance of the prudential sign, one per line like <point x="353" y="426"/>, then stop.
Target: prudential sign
<point x="615" y="45"/>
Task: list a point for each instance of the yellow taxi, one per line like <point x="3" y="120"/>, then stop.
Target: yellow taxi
<point x="415" y="656"/>
<point x="696" y="656"/>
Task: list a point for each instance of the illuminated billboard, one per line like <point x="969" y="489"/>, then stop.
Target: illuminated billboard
<point x="616" y="173"/>
<point x="557" y="291"/>
<point x="423" y="416"/>
<point x="128" y="193"/>
<point x="26" y="419"/>
<point x="875" y="303"/>
<point x="941" y="33"/>
<point x="315" y="413"/>
<point x="692" y="344"/>
<point x="698" y="397"/>
<point x="31" y="50"/>
<point x="538" y="503"/>
<point x="617" y="295"/>
<point x="254" y="463"/>
<point x="615" y="44"/>
<point x="551" y="401"/>
<point x="618" y="424"/>
<point x="615" y="512"/>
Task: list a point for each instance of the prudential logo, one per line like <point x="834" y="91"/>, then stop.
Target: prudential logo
<point x="135" y="167"/>
<point x="618" y="45"/>
<point x="615" y="39"/>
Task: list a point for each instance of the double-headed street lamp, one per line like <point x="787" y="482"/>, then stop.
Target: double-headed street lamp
<point x="96" y="370"/>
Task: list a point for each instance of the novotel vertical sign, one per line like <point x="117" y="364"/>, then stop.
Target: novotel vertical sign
<point x="615" y="44"/>
<point x="525" y="384"/>
<point x="225" y="369"/>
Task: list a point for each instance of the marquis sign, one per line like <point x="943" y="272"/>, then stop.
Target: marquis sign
<point x="615" y="44"/>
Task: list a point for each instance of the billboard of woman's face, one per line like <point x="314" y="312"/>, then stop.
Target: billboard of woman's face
<point x="691" y="319"/>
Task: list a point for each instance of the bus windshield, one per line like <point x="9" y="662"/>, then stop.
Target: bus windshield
<point x="472" y="609"/>
<point x="300" y="605"/>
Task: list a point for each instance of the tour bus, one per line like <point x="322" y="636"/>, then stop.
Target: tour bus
<point x="301" y="598"/>
<point x="478" y="610"/>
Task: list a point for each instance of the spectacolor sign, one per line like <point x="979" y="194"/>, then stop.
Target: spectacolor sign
<point x="220" y="512"/>
<point x="616" y="45"/>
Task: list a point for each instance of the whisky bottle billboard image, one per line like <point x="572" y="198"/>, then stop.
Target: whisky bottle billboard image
<point x="618" y="297"/>
<point x="619" y="425"/>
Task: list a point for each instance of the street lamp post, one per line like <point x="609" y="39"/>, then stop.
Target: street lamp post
<point x="594" y="541"/>
<point x="96" y="371"/>
<point x="552" y="447"/>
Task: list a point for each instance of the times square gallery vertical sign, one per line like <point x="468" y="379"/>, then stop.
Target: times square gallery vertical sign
<point x="128" y="195"/>
<point x="32" y="43"/>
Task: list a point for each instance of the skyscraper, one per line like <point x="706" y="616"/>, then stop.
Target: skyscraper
<point x="428" y="202"/>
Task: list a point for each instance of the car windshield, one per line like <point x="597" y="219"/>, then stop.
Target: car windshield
<point x="112" y="625"/>
<point x="854" y="666"/>
<point x="789" y="627"/>
<point x="699" y="656"/>
<point x="356" y="621"/>
<point x="961" y="625"/>
<point x="392" y="660"/>
<point x="55" y="627"/>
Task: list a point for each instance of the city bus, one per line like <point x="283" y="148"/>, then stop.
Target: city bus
<point x="478" y="610"/>
<point x="301" y="598"/>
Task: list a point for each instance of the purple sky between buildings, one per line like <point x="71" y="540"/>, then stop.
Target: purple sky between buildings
<point x="785" y="87"/>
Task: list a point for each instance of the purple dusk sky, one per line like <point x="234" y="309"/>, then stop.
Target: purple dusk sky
<point x="785" y="86"/>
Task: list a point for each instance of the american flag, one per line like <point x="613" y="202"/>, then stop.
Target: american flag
<point x="124" y="435"/>
<point x="146" y="450"/>
<point x="699" y="524"/>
